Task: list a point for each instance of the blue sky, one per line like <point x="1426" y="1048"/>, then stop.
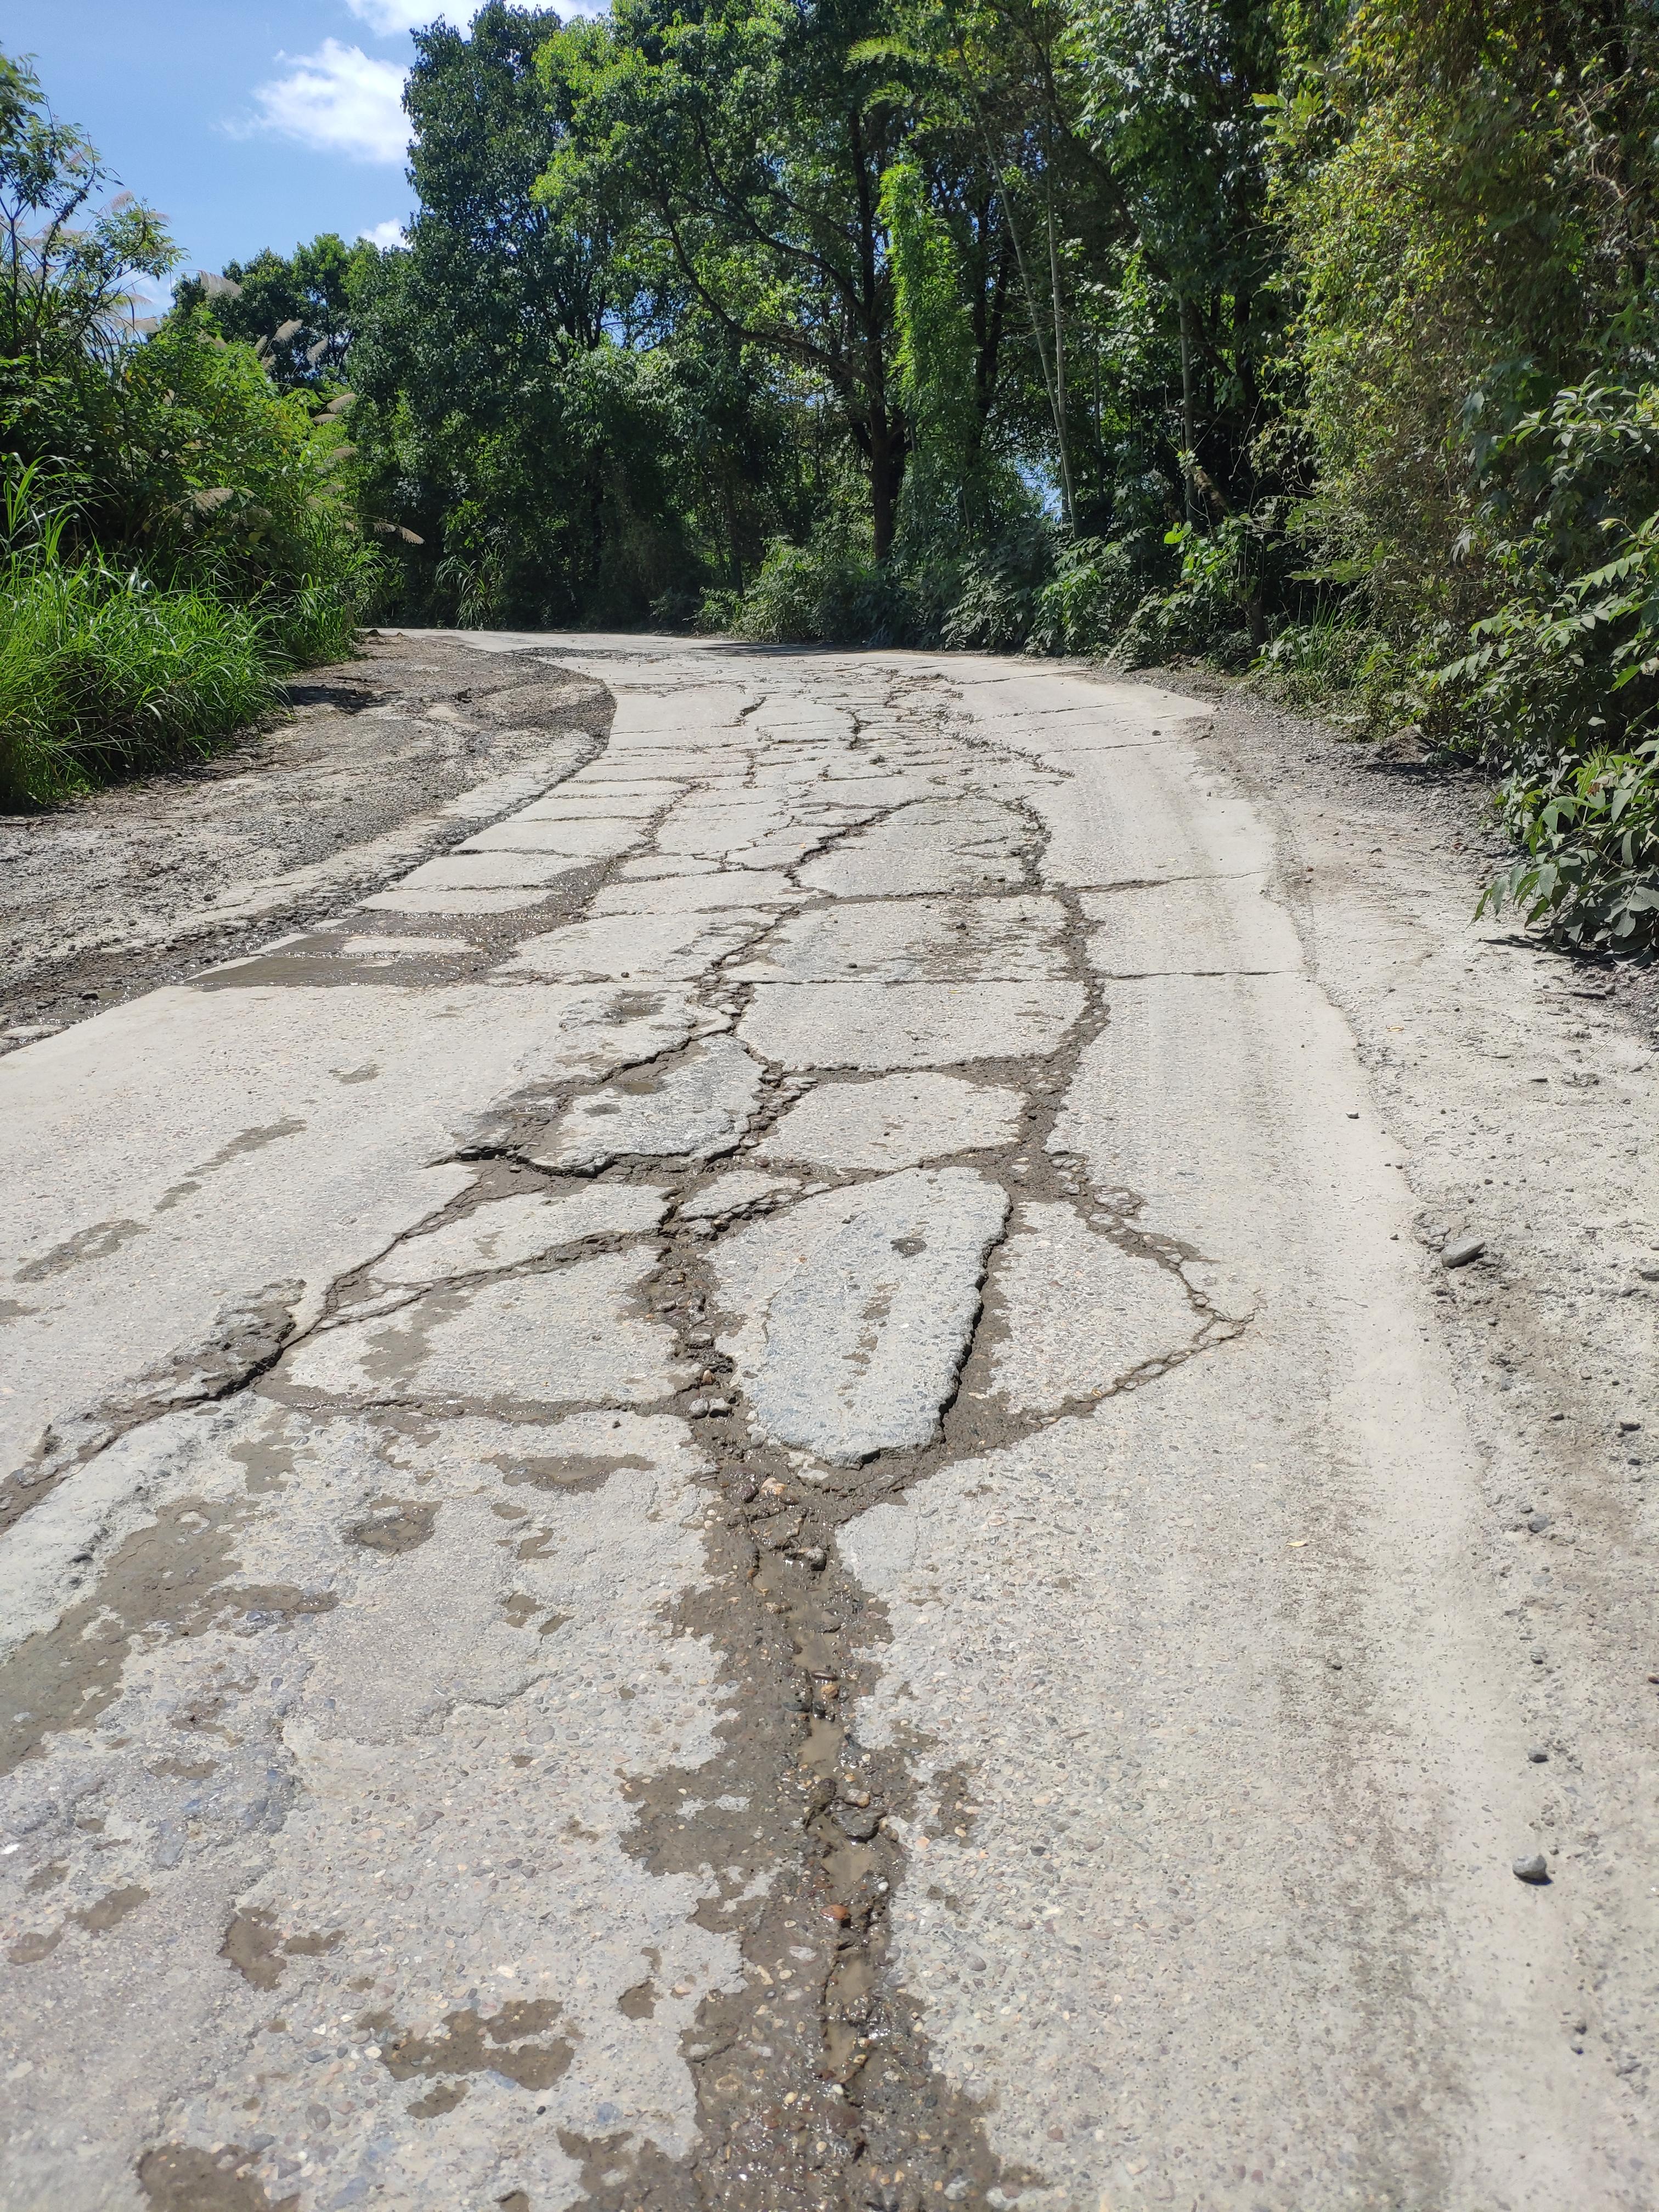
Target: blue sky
<point x="247" y="124"/>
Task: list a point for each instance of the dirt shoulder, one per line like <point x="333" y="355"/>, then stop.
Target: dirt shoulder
<point x="379" y="762"/>
<point x="1519" y="1086"/>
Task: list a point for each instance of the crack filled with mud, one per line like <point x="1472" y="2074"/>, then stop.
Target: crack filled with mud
<point x="816" y="2086"/>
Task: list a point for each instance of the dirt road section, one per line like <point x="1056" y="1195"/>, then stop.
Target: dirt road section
<point x="873" y="1461"/>
<point x="377" y="763"/>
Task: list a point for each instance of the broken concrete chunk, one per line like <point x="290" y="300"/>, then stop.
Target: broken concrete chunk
<point x="1462" y="1250"/>
<point x="859" y="1306"/>
<point x="731" y="1193"/>
<point x="695" y="1106"/>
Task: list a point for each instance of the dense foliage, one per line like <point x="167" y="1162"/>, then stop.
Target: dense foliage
<point x="176" y="527"/>
<point x="1317" y="337"/>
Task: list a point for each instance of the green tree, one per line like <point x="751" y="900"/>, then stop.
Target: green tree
<point x="296" y="309"/>
<point x="67" y="264"/>
<point x="745" y="144"/>
<point x="1471" y="194"/>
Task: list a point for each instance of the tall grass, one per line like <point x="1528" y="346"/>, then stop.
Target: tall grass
<point x="102" y="671"/>
<point x="102" y="675"/>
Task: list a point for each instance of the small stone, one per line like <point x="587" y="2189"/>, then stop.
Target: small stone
<point x="813" y="1556"/>
<point x="696" y="1409"/>
<point x="1538" y="1658"/>
<point x="1628" y="1428"/>
<point x="700" y="1340"/>
<point x="858" y="1823"/>
<point x="1534" y="1868"/>
<point x="717" y="1406"/>
<point x="1537" y="1754"/>
<point x="744" y="1488"/>
<point x="1538" y="1522"/>
<point x="1461" y="1250"/>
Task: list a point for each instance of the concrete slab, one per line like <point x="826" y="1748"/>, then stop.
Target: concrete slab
<point x="896" y="1122"/>
<point x="508" y="1232"/>
<point x="459" y="902"/>
<point x="585" y="840"/>
<point x="709" y="887"/>
<point x="708" y="832"/>
<point x="324" y="1875"/>
<point x="880" y="1025"/>
<point x="649" y="946"/>
<point x="695" y="1106"/>
<point x="1220" y="924"/>
<point x="935" y="845"/>
<point x="856" y="1309"/>
<point x="574" y="802"/>
<point x="483" y="872"/>
<point x="1074" y="1315"/>
<point x="914" y="941"/>
<point x="573" y="1336"/>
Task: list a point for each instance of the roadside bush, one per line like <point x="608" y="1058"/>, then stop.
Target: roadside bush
<point x="175" y="530"/>
<point x="1589" y="831"/>
<point x="1086" y="605"/>
<point x="823" y="593"/>
<point x="1562" y="685"/>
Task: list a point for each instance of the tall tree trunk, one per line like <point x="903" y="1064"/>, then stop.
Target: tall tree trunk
<point x="1061" y="431"/>
<point x="1188" y="433"/>
<point x="886" y="467"/>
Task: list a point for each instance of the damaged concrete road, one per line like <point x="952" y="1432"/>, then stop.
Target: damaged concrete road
<point x="765" y="1494"/>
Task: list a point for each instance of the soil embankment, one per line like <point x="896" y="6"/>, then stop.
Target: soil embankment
<point x="147" y="883"/>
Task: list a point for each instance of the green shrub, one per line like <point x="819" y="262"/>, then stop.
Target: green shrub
<point x="1087" y="603"/>
<point x="1589" y="829"/>
<point x="828" y="594"/>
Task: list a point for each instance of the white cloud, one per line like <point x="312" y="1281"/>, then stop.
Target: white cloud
<point x="385" y="235"/>
<point x="387" y="17"/>
<point x="340" y="101"/>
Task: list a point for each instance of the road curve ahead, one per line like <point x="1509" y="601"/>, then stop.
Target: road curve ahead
<point x="748" y="1500"/>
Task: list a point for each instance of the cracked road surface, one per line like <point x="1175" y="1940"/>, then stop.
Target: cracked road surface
<point x="752" y="1498"/>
